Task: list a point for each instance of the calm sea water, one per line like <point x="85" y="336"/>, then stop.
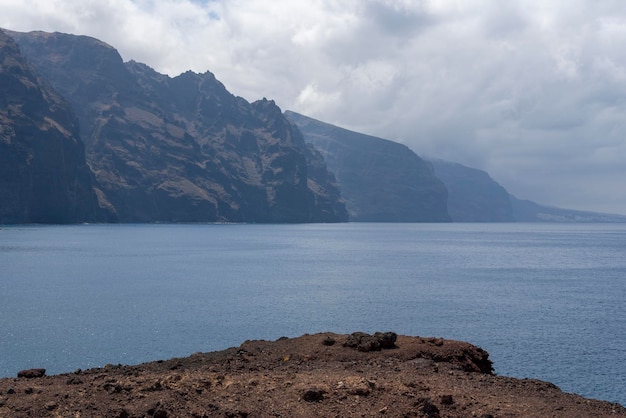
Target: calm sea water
<point x="546" y="301"/>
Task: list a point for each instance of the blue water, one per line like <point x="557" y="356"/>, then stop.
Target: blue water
<point x="546" y="301"/>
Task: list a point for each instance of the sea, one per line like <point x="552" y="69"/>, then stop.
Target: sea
<point x="547" y="301"/>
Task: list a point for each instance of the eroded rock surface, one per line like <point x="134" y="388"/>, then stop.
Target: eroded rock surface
<point x="44" y="177"/>
<point x="182" y="149"/>
<point x="304" y="377"/>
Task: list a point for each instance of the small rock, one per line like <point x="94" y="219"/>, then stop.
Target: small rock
<point x="428" y="408"/>
<point x="362" y="342"/>
<point x="447" y="400"/>
<point x="29" y="391"/>
<point x="157" y="411"/>
<point x="313" y="394"/>
<point x="123" y="414"/>
<point x="365" y="342"/>
<point x="160" y="413"/>
<point x="11" y="391"/>
<point x="51" y="406"/>
<point x="73" y="381"/>
<point x="236" y="414"/>
<point x="328" y="341"/>
<point x="360" y="391"/>
<point x="369" y="344"/>
<point x="154" y="387"/>
<point x="435" y="341"/>
<point x="423" y="364"/>
<point x="31" y="373"/>
<point x="386" y="339"/>
<point x="355" y="339"/>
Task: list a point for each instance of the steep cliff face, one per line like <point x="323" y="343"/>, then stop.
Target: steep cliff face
<point x="380" y="180"/>
<point x="318" y="187"/>
<point x="182" y="148"/>
<point x="473" y="196"/>
<point x="43" y="174"/>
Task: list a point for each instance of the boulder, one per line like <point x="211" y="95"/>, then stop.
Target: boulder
<point x="31" y="373"/>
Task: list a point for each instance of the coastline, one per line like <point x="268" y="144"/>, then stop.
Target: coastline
<point x="321" y="374"/>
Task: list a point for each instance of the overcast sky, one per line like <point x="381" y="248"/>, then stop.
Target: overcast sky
<point x="534" y="92"/>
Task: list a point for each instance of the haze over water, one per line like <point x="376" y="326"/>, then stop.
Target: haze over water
<point x="545" y="300"/>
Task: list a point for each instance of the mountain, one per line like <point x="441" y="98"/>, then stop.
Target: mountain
<point x="86" y="137"/>
<point x="473" y="196"/>
<point x="44" y="177"/>
<point x="182" y="148"/>
<point x="384" y="181"/>
<point x="380" y="180"/>
<point x="528" y="211"/>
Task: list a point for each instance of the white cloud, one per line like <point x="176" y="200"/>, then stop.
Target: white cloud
<point x="311" y="100"/>
<point x="532" y="92"/>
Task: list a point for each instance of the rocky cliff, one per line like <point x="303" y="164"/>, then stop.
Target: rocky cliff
<point x="183" y="148"/>
<point x="473" y="196"/>
<point x="43" y="174"/>
<point x="380" y="180"/>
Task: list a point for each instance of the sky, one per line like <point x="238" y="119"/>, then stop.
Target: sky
<point x="532" y="91"/>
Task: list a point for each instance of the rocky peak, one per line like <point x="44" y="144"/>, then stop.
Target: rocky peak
<point x="182" y="148"/>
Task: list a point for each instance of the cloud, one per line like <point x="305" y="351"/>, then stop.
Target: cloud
<point x="532" y="92"/>
<point x="400" y="19"/>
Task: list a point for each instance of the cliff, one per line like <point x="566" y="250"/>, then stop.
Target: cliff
<point x="380" y="180"/>
<point x="473" y="196"/>
<point x="44" y="177"/>
<point x="183" y="148"/>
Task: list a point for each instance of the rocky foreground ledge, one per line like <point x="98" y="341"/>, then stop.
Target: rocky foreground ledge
<point x="321" y="375"/>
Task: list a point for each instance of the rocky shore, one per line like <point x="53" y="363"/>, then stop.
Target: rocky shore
<point x="321" y="375"/>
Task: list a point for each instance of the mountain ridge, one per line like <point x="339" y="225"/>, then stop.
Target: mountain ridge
<point x="380" y="180"/>
<point x="182" y="149"/>
<point x="476" y="197"/>
<point x="472" y="194"/>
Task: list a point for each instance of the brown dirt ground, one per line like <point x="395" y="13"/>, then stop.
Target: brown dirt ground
<point x="301" y="377"/>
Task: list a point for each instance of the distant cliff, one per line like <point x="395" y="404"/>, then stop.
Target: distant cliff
<point x="527" y="211"/>
<point x="85" y="137"/>
<point x="473" y="196"/>
<point x="380" y="180"/>
<point x="43" y="174"/>
<point x="182" y="148"/>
